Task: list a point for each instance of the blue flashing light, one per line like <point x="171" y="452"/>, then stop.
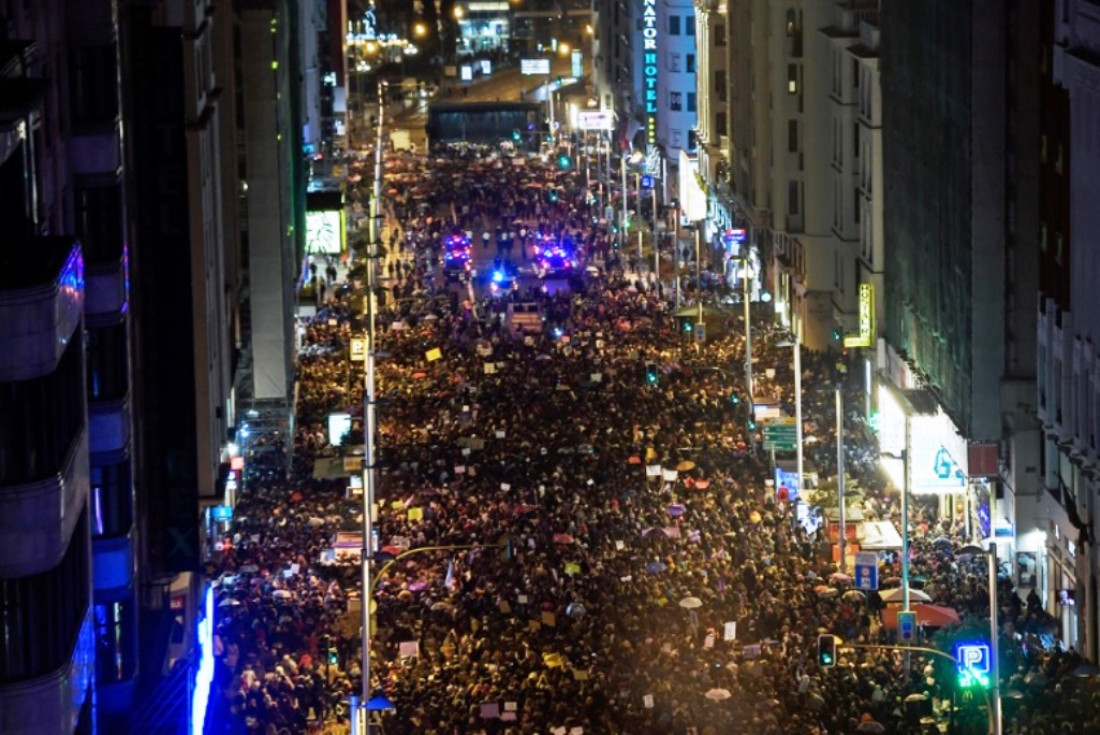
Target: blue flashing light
<point x="498" y="277"/>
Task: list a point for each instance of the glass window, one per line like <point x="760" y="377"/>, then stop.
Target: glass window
<point x="114" y="641"/>
<point x="720" y="123"/>
<point x="99" y="222"/>
<point x="93" y="83"/>
<point x="674" y="25"/>
<point x="675" y="101"/>
<point x="691" y="102"/>
<point x="107" y="357"/>
<point x="40" y="615"/>
<point x="690" y="68"/>
<point x="792" y="197"/>
<point x="112" y="499"/>
<point x="689" y="25"/>
<point x="719" y="34"/>
<point x="792" y="136"/>
<point x="39" y="418"/>
<point x="792" y="78"/>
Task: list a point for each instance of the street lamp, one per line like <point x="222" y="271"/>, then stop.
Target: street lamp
<point x="990" y="554"/>
<point x="796" y="345"/>
<point x="634" y="159"/>
<point x="369" y="409"/>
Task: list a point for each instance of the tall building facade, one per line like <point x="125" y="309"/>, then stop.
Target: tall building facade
<point x="1068" y="374"/>
<point x="677" y="96"/>
<point x="960" y="168"/>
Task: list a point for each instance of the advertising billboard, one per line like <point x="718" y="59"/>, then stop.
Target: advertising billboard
<point x="529" y="67"/>
<point x="325" y="231"/>
<point x="937" y="456"/>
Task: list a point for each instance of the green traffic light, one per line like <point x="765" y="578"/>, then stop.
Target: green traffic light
<point x="735" y="399"/>
<point x="564" y="162"/>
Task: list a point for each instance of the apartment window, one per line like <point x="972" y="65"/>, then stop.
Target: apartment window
<point x="792" y="136"/>
<point x="675" y="101"/>
<point x="855" y="73"/>
<point x="115" y="626"/>
<point x="690" y="67"/>
<point x="719" y="34"/>
<point x="720" y="123"/>
<point x="1043" y="237"/>
<point x="43" y="613"/>
<point x="689" y="25"/>
<point x="691" y="102"/>
<point x="93" y="85"/>
<point x="855" y="205"/>
<point x="792" y="197"/>
<point x="107" y="366"/>
<point x="855" y="139"/>
<point x="792" y="78"/>
<point x="792" y="27"/>
<point x="99" y="222"/>
<point x="674" y="25"/>
<point x="674" y="61"/>
<point x="111" y="499"/>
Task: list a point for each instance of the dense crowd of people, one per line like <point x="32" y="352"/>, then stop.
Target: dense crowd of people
<point x="633" y="570"/>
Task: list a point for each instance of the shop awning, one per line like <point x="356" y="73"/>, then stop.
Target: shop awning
<point x="879" y="536"/>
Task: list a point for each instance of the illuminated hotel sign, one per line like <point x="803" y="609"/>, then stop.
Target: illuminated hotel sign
<point x="866" y="318"/>
<point x="649" y="68"/>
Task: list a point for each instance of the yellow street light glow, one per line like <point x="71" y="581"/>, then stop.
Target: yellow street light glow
<point x="420" y="30"/>
<point x="459" y="12"/>
<point x="563" y="49"/>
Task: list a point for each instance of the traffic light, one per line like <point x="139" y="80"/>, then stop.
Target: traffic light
<point x="752" y="424"/>
<point x="515" y="136"/>
<point x="564" y="162"/>
<point x="552" y="195"/>
<point x="837" y="334"/>
<point x="687" y="327"/>
<point x="734" y="398"/>
<point x="651" y="373"/>
<point x="826" y="651"/>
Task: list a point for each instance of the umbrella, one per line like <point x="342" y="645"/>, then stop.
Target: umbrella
<point x="933" y="616"/>
<point x="654" y="533"/>
<point x="897" y="594"/>
<point x="315" y="522"/>
<point x="754" y="517"/>
<point x="839" y="577"/>
<point x="870" y="726"/>
<point x="686" y="465"/>
<point x="521" y="510"/>
<point x="563" y="538"/>
<point x="1086" y="669"/>
<point x="690" y="603"/>
<point x="442" y="607"/>
<point x="418" y="586"/>
<point x="676" y="510"/>
<point x="390" y="550"/>
<point x="229" y="602"/>
<point x="656" y="567"/>
<point x="575" y="610"/>
<point x="250" y="568"/>
<point x="825" y="591"/>
<point x="891" y="580"/>
<point x="634" y="459"/>
<point x="282" y="594"/>
<point x="702" y="484"/>
<point x="853" y="596"/>
<point x="942" y="541"/>
<point x="718" y="695"/>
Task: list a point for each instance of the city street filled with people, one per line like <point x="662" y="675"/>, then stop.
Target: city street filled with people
<point x="627" y="564"/>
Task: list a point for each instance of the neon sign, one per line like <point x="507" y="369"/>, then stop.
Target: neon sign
<point x="204" y="677"/>
<point x="972" y="665"/>
<point x="866" y="318"/>
<point x="649" y="68"/>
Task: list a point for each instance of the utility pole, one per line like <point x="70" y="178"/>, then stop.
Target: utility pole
<point x="840" y="471"/>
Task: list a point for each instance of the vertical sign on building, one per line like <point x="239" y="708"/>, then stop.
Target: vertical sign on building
<point x="649" y="69"/>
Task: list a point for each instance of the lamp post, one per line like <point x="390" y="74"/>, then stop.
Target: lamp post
<point x="748" y="348"/>
<point x="840" y="473"/>
<point x="996" y="724"/>
<point x="796" y="345"/>
<point x="370" y="418"/>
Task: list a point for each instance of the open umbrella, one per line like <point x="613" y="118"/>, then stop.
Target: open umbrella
<point x="870" y="726"/>
<point x="442" y="607"/>
<point x="418" y="586"/>
<point x="656" y="567"/>
<point x="575" y="610"/>
<point x="825" y="591"/>
<point x="563" y="538"/>
<point x="1086" y="669"/>
<point x="676" y="510"/>
<point x="522" y="510"/>
<point x="754" y="517"/>
<point x="897" y="594"/>
<point x="684" y="466"/>
<point x="932" y="616"/>
<point x="654" y="533"/>
<point x="853" y="596"/>
<point x="229" y="602"/>
<point x="718" y="695"/>
<point x="702" y="484"/>
<point x="690" y="603"/>
<point x="839" y="577"/>
<point x="634" y="459"/>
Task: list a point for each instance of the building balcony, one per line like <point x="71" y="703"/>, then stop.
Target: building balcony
<point x="109" y="425"/>
<point x="37" y="518"/>
<point x="49" y="705"/>
<point x="96" y="148"/>
<point x="106" y="287"/>
<point x="113" y="567"/>
<point x="41" y="300"/>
